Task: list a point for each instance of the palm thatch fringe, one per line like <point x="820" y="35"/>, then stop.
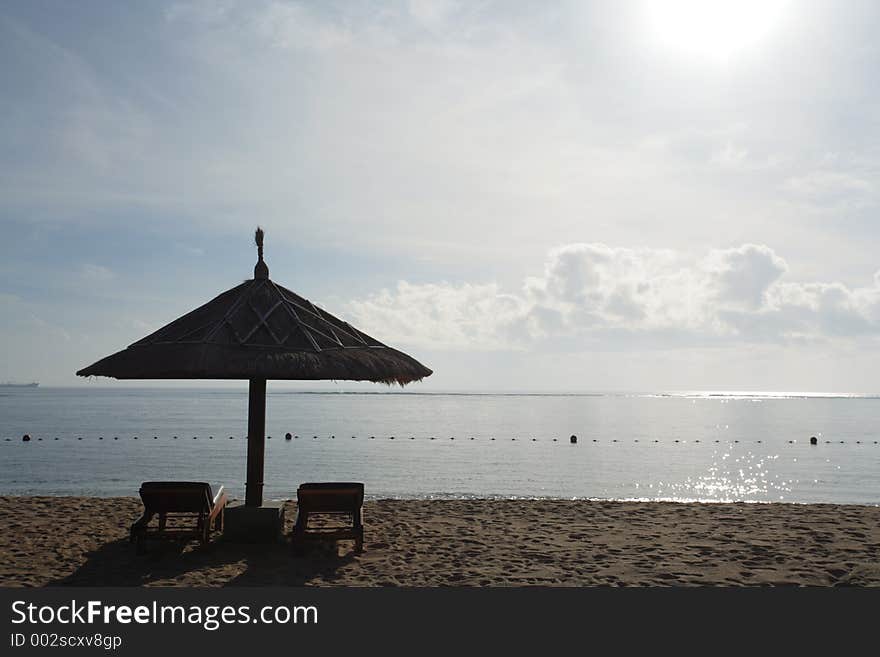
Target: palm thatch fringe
<point x="207" y="361"/>
<point x="260" y="330"/>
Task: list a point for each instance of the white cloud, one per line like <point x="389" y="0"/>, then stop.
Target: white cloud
<point x="741" y="277"/>
<point x="593" y="294"/>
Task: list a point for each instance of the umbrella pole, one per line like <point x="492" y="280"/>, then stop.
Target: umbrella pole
<point x="256" y="442"/>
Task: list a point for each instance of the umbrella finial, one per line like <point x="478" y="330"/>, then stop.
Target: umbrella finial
<point x="260" y="270"/>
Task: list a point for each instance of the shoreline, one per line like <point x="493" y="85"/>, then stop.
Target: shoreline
<point x="440" y="497"/>
<point x="83" y="541"/>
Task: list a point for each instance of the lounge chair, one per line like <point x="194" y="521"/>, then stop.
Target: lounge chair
<point x="194" y="509"/>
<point x="336" y="499"/>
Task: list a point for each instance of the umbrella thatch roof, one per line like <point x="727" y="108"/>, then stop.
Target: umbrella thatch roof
<point x="260" y="330"/>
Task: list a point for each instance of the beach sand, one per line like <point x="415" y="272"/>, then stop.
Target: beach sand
<point x="83" y="541"/>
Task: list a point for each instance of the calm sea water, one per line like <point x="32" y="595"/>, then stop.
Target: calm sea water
<point x="630" y="446"/>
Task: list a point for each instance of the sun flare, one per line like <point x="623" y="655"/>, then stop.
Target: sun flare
<point x="714" y="28"/>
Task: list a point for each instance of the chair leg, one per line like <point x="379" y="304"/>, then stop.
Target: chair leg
<point x="140" y="526"/>
<point x="302" y="523"/>
<point x="203" y="527"/>
<point x="299" y="531"/>
<point x="359" y="528"/>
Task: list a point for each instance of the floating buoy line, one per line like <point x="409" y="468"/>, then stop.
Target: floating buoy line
<point x="573" y="439"/>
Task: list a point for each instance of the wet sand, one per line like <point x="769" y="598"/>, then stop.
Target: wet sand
<point x="83" y="541"/>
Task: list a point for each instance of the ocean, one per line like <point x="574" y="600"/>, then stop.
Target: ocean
<point x="752" y="447"/>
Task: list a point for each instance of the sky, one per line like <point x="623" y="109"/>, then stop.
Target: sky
<point x="543" y="196"/>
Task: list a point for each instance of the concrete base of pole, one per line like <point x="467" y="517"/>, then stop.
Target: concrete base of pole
<point x="254" y="524"/>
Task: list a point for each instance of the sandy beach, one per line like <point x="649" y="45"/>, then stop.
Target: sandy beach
<point x="83" y="541"/>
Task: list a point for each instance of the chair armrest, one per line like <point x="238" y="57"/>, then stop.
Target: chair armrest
<point x="219" y="504"/>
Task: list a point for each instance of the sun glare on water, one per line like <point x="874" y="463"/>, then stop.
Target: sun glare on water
<point x="713" y="28"/>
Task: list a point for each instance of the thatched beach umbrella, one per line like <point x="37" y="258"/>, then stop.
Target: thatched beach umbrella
<point x="259" y="330"/>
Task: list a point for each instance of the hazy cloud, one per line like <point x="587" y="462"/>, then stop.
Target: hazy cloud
<point x="452" y="144"/>
<point x="91" y="273"/>
<point x="19" y="319"/>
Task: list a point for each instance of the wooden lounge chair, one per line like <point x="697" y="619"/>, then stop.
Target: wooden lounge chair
<point x="336" y="499"/>
<point x="193" y="508"/>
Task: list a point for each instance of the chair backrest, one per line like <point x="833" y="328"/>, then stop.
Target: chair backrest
<point x="177" y="496"/>
<point x="330" y="496"/>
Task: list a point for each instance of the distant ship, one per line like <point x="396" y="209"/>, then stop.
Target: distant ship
<point x="18" y="385"/>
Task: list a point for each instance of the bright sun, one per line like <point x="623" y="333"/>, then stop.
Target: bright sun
<point x="715" y="28"/>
